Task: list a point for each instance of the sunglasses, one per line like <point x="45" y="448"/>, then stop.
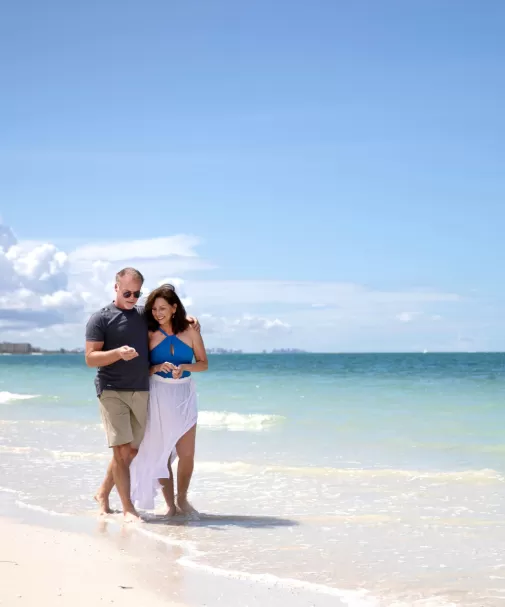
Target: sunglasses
<point x="135" y="294"/>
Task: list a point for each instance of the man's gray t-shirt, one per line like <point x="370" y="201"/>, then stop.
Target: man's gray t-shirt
<point x="116" y="328"/>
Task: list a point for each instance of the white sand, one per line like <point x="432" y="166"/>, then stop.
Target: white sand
<point x="49" y="568"/>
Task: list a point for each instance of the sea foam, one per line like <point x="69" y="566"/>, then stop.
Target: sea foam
<point x="225" y="420"/>
<point x="9" y="397"/>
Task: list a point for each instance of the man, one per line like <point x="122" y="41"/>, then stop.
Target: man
<point x="117" y="344"/>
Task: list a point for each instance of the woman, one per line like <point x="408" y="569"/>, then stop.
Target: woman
<point x="172" y="415"/>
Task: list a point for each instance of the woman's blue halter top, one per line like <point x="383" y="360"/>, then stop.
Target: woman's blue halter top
<point x="171" y="350"/>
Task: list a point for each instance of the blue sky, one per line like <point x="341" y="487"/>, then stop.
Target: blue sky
<point x="327" y="142"/>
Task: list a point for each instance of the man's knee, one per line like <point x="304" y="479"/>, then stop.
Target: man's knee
<point x="123" y="454"/>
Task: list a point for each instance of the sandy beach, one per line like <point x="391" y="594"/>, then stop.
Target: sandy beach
<point x="47" y="567"/>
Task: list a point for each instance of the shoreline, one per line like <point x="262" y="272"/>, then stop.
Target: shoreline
<point x="50" y="559"/>
<point x="48" y="566"/>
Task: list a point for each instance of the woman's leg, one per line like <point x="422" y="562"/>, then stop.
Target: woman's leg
<point x="167" y="487"/>
<point x="186" y="452"/>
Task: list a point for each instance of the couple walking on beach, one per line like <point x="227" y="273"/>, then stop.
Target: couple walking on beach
<point x="145" y="357"/>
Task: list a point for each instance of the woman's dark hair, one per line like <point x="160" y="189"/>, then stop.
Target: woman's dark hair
<point x="179" y="321"/>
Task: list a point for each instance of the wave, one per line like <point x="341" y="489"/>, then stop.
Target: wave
<point x="239" y="468"/>
<point x="219" y="420"/>
<point x="50" y="422"/>
<point x="8" y="397"/>
<point x="40" y="509"/>
<point x="188" y="545"/>
<point x="7" y="449"/>
<point x="7" y="490"/>
<point x="430" y="602"/>
<point x="70" y="455"/>
<point x="214" y="420"/>
<point x="352" y="598"/>
<point x="56" y="454"/>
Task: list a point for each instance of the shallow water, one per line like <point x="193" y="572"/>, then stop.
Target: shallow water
<point x="377" y="473"/>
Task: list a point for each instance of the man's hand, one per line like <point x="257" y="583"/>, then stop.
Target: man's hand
<point x="194" y="323"/>
<point x="127" y="353"/>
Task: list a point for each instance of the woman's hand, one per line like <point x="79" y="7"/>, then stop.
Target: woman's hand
<point x="177" y="371"/>
<point x="166" y="368"/>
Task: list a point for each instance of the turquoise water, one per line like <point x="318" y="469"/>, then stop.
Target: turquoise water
<point x="381" y="472"/>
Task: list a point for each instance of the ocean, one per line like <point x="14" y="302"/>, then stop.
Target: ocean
<point x="365" y="480"/>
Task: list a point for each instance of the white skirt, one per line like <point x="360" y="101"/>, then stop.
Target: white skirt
<point x="172" y="412"/>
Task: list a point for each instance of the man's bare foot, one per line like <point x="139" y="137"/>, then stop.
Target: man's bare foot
<point x="132" y="517"/>
<point x="103" y="504"/>
<point x="184" y="507"/>
<point x="172" y="511"/>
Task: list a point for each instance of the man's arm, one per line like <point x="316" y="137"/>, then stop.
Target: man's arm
<point x="95" y="337"/>
<point x="96" y="357"/>
<point x="193" y="321"/>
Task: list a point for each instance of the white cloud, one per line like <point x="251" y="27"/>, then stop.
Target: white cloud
<point x="248" y="292"/>
<point x="47" y="290"/>
<point x="247" y="322"/>
<point x="97" y="264"/>
<point x="42" y="268"/>
<point x="405" y="317"/>
<point x="7" y="238"/>
<point x="41" y="286"/>
<point x="62" y="299"/>
<point x="34" y="284"/>
<point x="179" y="245"/>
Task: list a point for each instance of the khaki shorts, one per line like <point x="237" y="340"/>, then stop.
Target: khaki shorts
<point x="124" y="416"/>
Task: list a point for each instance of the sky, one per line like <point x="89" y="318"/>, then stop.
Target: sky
<point x="326" y="176"/>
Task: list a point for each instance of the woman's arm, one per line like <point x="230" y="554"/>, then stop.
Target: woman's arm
<point x="201" y="364"/>
<point x="162" y="368"/>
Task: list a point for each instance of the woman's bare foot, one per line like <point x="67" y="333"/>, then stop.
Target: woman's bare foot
<point x="103" y="504"/>
<point x="132" y="516"/>
<point x="172" y="511"/>
<point x="184" y="507"/>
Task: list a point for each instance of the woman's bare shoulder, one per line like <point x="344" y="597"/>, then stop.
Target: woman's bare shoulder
<point x="187" y="335"/>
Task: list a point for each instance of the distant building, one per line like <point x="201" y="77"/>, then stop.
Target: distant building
<point x="11" y="348"/>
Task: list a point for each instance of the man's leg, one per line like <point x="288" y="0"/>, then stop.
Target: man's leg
<point x="123" y="456"/>
<point x="115" y="410"/>
<point x="103" y="494"/>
